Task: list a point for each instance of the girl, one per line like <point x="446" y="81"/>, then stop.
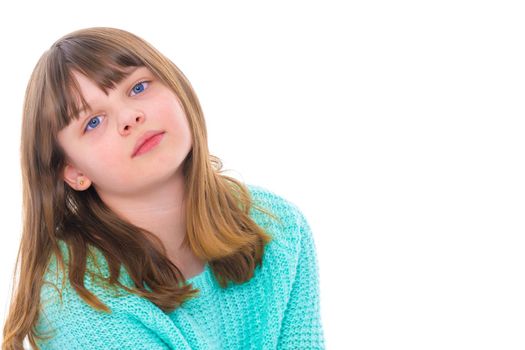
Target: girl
<point x="132" y="238"/>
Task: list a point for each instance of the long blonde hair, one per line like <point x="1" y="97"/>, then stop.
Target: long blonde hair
<point x="219" y="228"/>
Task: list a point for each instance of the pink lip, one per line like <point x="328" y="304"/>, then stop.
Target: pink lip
<point x="146" y="142"/>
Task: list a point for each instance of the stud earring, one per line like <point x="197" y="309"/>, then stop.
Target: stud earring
<point x="81" y="182"/>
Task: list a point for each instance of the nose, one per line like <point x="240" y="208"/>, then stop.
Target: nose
<point x="128" y="120"/>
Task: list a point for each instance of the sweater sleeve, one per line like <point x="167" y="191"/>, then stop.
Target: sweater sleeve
<point x="76" y="325"/>
<point x="301" y="327"/>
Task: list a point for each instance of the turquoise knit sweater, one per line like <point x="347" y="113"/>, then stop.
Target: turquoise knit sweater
<point x="278" y="308"/>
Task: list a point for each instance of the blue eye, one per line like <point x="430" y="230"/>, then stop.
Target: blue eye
<point x="92" y="124"/>
<point x="139" y="87"/>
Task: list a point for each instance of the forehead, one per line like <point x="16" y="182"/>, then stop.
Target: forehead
<point x="86" y="86"/>
<point x="86" y="83"/>
<point x="86" y="90"/>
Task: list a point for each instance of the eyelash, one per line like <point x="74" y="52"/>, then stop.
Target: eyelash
<point x="137" y="84"/>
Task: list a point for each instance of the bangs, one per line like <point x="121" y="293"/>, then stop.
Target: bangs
<point x="105" y="63"/>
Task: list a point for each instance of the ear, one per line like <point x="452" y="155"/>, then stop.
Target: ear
<point x="75" y="178"/>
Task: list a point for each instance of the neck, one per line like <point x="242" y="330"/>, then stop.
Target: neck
<point x="160" y="211"/>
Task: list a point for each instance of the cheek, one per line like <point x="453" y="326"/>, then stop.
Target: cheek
<point x="103" y="160"/>
<point x="169" y="105"/>
<point x="177" y="118"/>
<point x="167" y="110"/>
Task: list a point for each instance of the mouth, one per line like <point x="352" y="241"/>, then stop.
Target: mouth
<point x="147" y="142"/>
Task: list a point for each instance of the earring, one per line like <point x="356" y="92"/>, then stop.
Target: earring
<point x="81" y="182"/>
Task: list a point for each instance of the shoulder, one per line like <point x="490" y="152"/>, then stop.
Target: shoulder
<point x="58" y="291"/>
<point x="287" y="210"/>
<point x="291" y="253"/>
<point x="273" y="200"/>
<point x="291" y="220"/>
<point x="71" y="320"/>
<point x="73" y="323"/>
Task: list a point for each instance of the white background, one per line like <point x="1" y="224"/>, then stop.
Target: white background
<point x="396" y="126"/>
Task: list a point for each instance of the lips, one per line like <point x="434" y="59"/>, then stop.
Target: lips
<point x="144" y="138"/>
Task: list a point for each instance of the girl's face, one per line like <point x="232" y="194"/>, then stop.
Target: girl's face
<point x="100" y="145"/>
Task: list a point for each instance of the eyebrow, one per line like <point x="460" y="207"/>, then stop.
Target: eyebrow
<point x="128" y="71"/>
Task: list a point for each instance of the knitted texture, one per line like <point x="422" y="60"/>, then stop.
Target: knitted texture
<point x="278" y="308"/>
